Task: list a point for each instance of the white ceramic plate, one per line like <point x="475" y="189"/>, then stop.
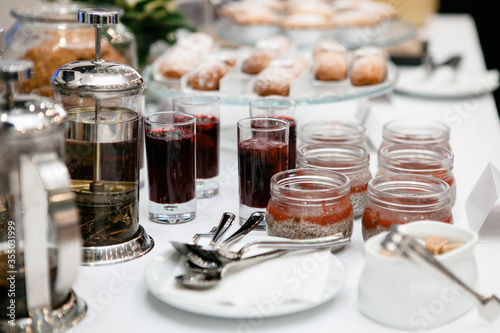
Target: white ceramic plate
<point x="445" y="83"/>
<point x="164" y="264"/>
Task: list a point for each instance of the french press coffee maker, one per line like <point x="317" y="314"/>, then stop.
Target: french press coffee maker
<point x="105" y="104"/>
<point x="39" y="236"/>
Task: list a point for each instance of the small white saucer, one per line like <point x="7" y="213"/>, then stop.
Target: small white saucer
<point x="163" y="267"/>
<point x="446" y="83"/>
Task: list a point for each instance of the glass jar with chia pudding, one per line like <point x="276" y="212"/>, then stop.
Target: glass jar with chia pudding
<point x="351" y="161"/>
<point x="416" y="131"/>
<point x="334" y="132"/>
<point x="404" y="198"/>
<point x="431" y="161"/>
<point x="309" y="203"/>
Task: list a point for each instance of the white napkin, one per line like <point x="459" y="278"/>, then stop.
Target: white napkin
<point x="445" y="82"/>
<point x="293" y="277"/>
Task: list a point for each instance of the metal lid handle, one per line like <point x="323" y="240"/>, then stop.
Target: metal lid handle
<point x="98" y="17"/>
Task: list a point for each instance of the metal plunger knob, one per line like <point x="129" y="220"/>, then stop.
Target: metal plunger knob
<point x="98" y="17"/>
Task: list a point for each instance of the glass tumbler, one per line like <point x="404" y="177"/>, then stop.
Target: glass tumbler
<point x="282" y="108"/>
<point x="262" y="152"/>
<point x="171" y="159"/>
<point x="206" y="111"/>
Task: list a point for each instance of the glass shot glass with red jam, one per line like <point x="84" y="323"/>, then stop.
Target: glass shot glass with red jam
<point x="431" y="161"/>
<point x="262" y="152"/>
<point x="171" y="155"/>
<point x="283" y="108"/>
<point x="400" y="199"/>
<point x="337" y="132"/>
<point x="309" y="203"/>
<point x="351" y="161"/>
<point x="206" y="111"/>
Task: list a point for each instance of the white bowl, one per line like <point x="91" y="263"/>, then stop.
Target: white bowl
<point x="396" y="292"/>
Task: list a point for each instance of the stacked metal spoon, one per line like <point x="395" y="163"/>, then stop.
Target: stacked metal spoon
<point x="206" y="266"/>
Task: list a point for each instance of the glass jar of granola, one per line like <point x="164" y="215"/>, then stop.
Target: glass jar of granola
<point x="404" y="198"/>
<point x="351" y="161"/>
<point x="431" y="161"/>
<point x="50" y="35"/>
<point x="309" y="203"/>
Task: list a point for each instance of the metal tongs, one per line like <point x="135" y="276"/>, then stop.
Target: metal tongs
<point x="405" y="246"/>
<point x="431" y="66"/>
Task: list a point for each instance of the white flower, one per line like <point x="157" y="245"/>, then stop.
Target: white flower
<point x="132" y="3"/>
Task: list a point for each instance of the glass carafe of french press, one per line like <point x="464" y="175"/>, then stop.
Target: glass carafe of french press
<point x="39" y="236"/>
<point x="105" y="104"/>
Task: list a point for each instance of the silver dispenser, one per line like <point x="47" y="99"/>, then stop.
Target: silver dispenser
<point x="39" y="236"/>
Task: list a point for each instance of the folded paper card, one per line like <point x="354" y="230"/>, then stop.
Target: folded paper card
<point x="483" y="206"/>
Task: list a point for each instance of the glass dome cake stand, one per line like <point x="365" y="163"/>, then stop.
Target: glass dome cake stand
<point x="388" y="33"/>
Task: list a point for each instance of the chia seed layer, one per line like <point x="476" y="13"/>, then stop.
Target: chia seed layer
<point x="358" y="201"/>
<point x="293" y="229"/>
<point x="367" y="233"/>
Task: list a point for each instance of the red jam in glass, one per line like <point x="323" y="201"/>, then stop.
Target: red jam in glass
<point x="282" y="108"/>
<point x="400" y="199"/>
<point x="309" y="203"/>
<point x="171" y="165"/>
<point x="207" y="146"/>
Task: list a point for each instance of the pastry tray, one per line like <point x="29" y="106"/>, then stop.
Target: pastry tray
<point x="236" y="87"/>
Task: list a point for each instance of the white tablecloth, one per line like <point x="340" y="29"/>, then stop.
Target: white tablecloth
<point x="117" y="296"/>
